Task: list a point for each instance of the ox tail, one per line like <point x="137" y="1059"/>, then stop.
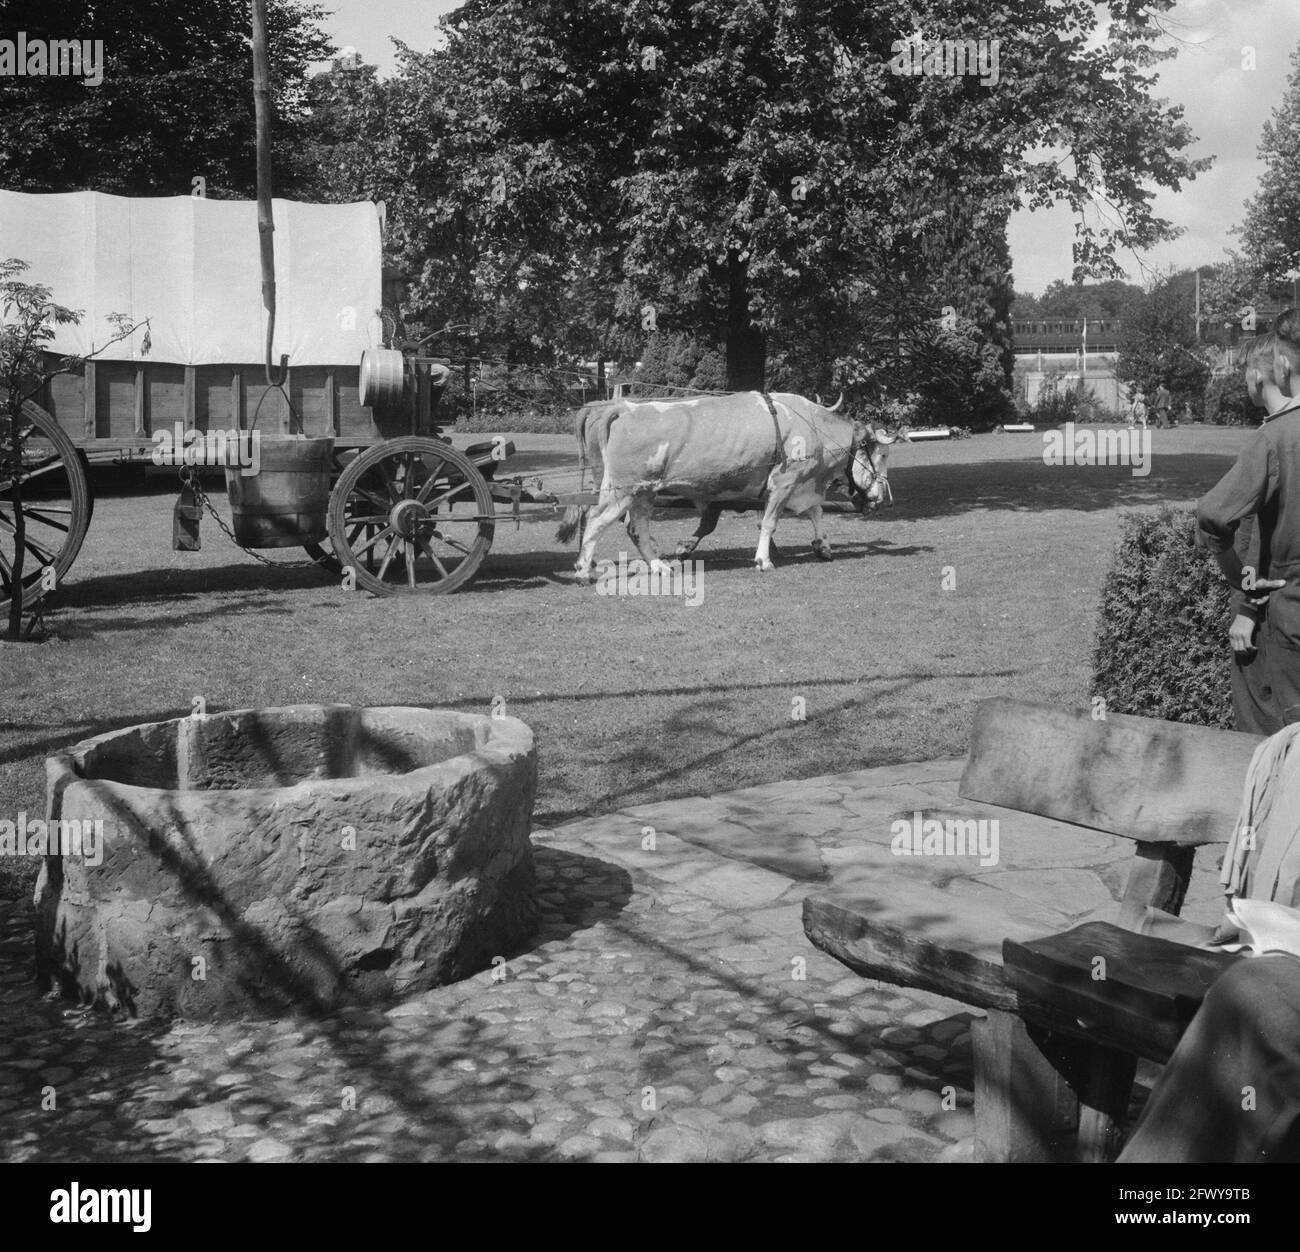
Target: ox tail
<point x="574" y="520"/>
<point x="588" y="432"/>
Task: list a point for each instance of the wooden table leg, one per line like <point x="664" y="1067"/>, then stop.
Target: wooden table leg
<point x="1025" y="1109"/>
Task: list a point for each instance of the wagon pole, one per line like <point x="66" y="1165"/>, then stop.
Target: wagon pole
<point x="265" y="217"/>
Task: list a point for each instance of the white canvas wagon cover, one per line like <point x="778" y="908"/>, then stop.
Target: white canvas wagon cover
<point x="192" y="267"/>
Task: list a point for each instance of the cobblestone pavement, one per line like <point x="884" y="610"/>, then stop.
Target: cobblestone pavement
<point x="669" y="1008"/>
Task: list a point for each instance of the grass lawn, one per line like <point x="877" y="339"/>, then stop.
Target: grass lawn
<point x="631" y="699"/>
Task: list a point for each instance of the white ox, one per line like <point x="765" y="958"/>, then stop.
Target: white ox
<point x="717" y="451"/>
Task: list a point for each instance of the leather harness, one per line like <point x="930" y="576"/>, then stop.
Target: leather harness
<point x="780" y="459"/>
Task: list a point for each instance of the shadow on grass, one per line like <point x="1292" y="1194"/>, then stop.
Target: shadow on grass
<point x="651" y="764"/>
<point x="240" y="585"/>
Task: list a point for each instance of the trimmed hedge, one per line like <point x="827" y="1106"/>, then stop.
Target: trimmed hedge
<point x="1162" y="637"/>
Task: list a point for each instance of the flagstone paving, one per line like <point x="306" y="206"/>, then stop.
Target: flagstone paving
<point x="669" y="1008"/>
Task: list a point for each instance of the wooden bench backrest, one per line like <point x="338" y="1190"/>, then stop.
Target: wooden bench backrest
<point x="1145" y="779"/>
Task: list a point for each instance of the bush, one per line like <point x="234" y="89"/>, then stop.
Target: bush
<point x="1162" y="639"/>
<point x="1058" y="403"/>
<point x="891" y="413"/>
<point x="1227" y="403"/>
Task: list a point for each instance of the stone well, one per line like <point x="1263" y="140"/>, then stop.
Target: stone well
<point x="269" y="859"/>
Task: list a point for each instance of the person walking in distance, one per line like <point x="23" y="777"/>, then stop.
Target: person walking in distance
<point x="1164" y="402"/>
<point x="1138" y="412"/>
<point x="1250" y="520"/>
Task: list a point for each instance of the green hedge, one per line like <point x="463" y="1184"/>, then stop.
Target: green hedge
<point x="1162" y="639"/>
<point x="1227" y="402"/>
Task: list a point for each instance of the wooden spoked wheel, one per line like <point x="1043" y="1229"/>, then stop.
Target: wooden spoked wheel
<point x="411" y="516"/>
<point x="49" y="478"/>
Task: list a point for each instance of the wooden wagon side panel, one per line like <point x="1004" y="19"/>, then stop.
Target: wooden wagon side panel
<point x="217" y="403"/>
<point x="64" y="399"/>
<point x="118" y="405"/>
<point x="163" y="388"/>
<point x="310" y="389"/>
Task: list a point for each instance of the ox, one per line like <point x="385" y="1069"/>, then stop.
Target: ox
<point x="719" y="451"/>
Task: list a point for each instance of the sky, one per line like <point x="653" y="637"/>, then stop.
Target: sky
<point x="1225" y="104"/>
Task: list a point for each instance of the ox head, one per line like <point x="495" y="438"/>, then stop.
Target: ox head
<point x="868" y="469"/>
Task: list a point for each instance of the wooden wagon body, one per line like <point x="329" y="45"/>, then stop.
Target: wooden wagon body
<point x="113" y="408"/>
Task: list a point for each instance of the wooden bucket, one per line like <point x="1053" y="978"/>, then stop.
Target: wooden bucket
<point x="382" y="378"/>
<point x="286" y="503"/>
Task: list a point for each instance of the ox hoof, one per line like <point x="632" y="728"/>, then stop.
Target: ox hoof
<point x="764" y="567"/>
<point x="581" y="575"/>
<point x="822" y="551"/>
<point x="683" y="549"/>
<point x="660" y="567"/>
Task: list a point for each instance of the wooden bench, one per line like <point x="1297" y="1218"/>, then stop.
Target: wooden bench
<point x="1047" y="1088"/>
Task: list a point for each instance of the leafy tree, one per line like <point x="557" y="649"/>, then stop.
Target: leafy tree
<point x="1160" y="344"/>
<point x="1095" y="301"/>
<point x="1025" y="307"/>
<point x="1102" y="301"/>
<point x="680" y="361"/>
<point x="1271" y="233"/>
<point x="738" y="171"/>
<point x="175" y="102"/>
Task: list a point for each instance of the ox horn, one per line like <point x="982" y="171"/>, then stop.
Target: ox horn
<point x="882" y="436"/>
<point x="834" y="408"/>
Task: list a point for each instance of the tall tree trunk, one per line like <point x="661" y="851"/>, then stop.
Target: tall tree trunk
<point x="746" y="342"/>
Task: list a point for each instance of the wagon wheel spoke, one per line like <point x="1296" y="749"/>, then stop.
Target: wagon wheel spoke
<point x="389" y="474"/>
<point x="32" y="545"/>
<point x="406" y="478"/>
<point x="373" y="500"/>
<point x="40" y="550"/>
<point x="374" y="539"/>
<point x="42" y="516"/>
<point x="433" y="556"/>
<point x="431" y="482"/>
<point x="37" y="469"/>
<point x="451" y="543"/>
<point x="442" y="499"/>
<point x="387" y="561"/>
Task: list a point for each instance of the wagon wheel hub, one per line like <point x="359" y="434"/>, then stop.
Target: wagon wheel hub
<point x="407" y="516"/>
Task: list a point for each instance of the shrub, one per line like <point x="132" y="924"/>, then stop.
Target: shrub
<point x="1058" y="403"/>
<point x="892" y="412"/>
<point x="1162" y="638"/>
<point x="1226" y="401"/>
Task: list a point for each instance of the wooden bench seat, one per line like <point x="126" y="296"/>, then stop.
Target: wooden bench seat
<point x="1167" y="787"/>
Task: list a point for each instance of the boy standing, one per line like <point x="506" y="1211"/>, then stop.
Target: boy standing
<point x="1261" y="560"/>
